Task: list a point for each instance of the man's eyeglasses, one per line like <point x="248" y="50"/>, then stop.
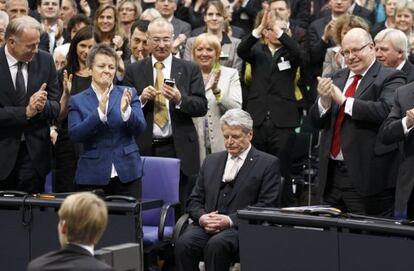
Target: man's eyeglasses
<point x="347" y="53"/>
<point x="159" y="40"/>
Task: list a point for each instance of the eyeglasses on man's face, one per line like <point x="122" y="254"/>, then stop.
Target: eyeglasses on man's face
<point x="354" y="51"/>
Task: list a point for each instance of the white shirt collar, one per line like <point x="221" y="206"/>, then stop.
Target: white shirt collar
<point x="167" y="62"/>
<point x="243" y="154"/>
<point x="352" y="74"/>
<point x="399" y="67"/>
<point x="90" y="248"/>
<point x="98" y="93"/>
<point x="11" y="60"/>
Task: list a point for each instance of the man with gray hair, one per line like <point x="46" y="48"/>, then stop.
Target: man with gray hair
<point x="169" y="105"/>
<point x="29" y="99"/>
<point x="391" y="47"/>
<point x="228" y="181"/>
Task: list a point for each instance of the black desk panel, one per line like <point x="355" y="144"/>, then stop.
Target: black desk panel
<point x="19" y="244"/>
<point x="273" y="240"/>
<point x="287" y="249"/>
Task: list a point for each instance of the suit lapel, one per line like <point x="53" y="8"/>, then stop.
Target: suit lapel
<point x="176" y="72"/>
<point x="113" y="98"/>
<point x="148" y="72"/>
<point x="7" y="92"/>
<point x="219" y="171"/>
<point x="243" y="173"/>
<point x="92" y="100"/>
<point x="32" y="68"/>
<point x="367" y="80"/>
<point x="340" y="82"/>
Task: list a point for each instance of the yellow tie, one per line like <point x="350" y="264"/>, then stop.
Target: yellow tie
<point x="160" y="110"/>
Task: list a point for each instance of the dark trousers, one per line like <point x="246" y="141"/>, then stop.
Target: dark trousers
<point x="342" y="194"/>
<point x="278" y="142"/>
<point x="24" y="176"/>
<point x="66" y="155"/>
<point x="218" y="251"/>
<point x="116" y="187"/>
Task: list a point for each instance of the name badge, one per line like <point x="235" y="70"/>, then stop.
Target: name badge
<point x="283" y="65"/>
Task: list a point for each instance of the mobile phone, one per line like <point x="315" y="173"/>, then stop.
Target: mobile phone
<point x="169" y="82"/>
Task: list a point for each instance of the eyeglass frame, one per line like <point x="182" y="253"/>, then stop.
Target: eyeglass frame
<point x="158" y="40"/>
<point x="347" y="53"/>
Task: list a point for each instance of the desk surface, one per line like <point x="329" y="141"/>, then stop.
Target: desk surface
<point x="113" y="206"/>
<point x="372" y="224"/>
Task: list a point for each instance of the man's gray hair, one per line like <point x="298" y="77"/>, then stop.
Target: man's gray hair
<point x="4" y="17"/>
<point x="396" y="37"/>
<point x="18" y="25"/>
<point x="9" y="3"/>
<point x="237" y="117"/>
<point x="160" y="22"/>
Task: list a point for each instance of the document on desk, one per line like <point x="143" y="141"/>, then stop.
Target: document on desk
<point x="313" y="210"/>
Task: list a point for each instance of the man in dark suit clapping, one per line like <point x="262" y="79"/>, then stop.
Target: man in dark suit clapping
<point x="228" y="181"/>
<point x="29" y="99"/>
<point x="356" y="172"/>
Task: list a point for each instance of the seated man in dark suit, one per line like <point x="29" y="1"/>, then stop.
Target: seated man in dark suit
<point x="228" y="181"/>
<point x="82" y="220"/>
<point x="392" y="50"/>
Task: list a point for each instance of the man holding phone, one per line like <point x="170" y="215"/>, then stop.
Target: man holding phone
<point x="169" y="106"/>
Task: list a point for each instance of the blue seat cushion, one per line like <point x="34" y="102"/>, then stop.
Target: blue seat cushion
<point x="151" y="234"/>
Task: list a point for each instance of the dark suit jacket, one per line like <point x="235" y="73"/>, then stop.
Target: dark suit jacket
<point x="189" y="82"/>
<point x="369" y="162"/>
<point x="244" y="17"/>
<point x="393" y="133"/>
<point x="272" y="91"/>
<point x="13" y="122"/>
<point x="256" y="184"/>
<point x="104" y="144"/>
<point x="408" y="69"/>
<point x="300" y="12"/>
<point x="69" y="258"/>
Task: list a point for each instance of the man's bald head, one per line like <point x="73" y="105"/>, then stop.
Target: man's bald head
<point x="358" y="50"/>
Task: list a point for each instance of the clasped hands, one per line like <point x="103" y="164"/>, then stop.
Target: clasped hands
<point x="171" y="93"/>
<point x="214" y="222"/>
<point x="328" y="92"/>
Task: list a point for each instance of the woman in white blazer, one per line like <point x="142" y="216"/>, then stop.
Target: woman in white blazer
<point x="223" y="92"/>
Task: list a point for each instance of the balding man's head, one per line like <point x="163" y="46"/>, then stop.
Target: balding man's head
<point x="358" y="50"/>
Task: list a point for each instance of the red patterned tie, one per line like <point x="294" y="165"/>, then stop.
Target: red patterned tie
<point x="336" y="138"/>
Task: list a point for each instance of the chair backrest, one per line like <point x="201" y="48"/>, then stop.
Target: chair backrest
<point x="160" y="180"/>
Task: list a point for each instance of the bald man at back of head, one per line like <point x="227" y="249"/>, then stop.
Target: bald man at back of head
<point x="357" y="172"/>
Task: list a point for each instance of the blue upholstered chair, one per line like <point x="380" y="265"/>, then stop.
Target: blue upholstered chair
<point x="160" y="180"/>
